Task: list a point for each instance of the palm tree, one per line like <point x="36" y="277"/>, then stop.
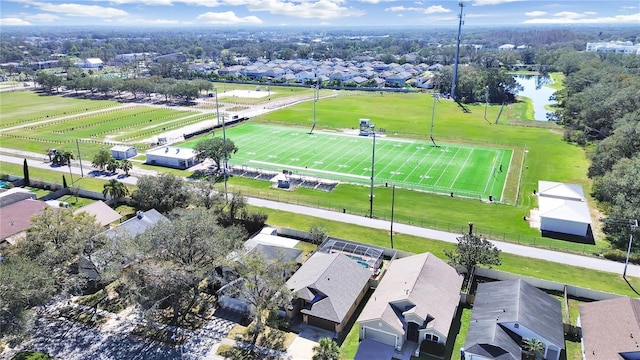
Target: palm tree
<point x="112" y="165"/>
<point x="115" y="189"/>
<point x="327" y="349"/>
<point x="535" y="347"/>
<point x="126" y="165"/>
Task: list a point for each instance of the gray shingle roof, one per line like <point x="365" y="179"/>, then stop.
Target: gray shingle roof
<point x="512" y="301"/>
<point x="430" y="284"/>
<point x="333" y="280"/>
<point x="137" y="224"/>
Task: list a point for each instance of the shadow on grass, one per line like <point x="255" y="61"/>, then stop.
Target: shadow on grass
<point x="631" y="286"/>
<point x="588" y="239"/>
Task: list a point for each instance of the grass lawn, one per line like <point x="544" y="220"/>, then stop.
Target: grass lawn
<point x="24" y="106"/>
<point x="542" y="269"/>
<point x="52" y="176"/>
<point x="470" y="171"/>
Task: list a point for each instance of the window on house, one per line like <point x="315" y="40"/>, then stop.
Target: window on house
<point x="435" y="338"/>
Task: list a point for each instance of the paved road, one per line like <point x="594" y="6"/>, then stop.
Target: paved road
<point x="537" y="253"/>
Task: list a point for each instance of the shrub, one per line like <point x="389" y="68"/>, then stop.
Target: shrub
<point x="621" y="256"/>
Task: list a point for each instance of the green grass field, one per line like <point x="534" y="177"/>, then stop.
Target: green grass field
<point x="470" y="171"/>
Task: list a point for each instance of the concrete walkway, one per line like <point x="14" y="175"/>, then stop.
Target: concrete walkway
<point x="510" y="248"/>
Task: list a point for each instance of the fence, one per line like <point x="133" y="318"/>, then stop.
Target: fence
<point x="573" y="291"/>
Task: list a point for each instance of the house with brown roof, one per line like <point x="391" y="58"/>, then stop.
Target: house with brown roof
<point x="610" y="329"/>
<point x="415" y="301"/>
<point x="327" y="290"/>
<point x="16" y="218"/>
<point x="103" y="213"/>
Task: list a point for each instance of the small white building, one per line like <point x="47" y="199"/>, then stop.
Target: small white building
<point x="171" y="156"/>
<point x="121" y="152"/>
<point x="563" y="209"/>
<point x="89" y="63"/>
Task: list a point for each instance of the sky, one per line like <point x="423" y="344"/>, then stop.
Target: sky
<point x="316" y="13"/>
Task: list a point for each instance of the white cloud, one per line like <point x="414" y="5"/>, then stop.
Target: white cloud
<point x="225" y="18"/>
<point x="536" y="13"/>
<point x="376" y="1"/>
<point x="12" y="21"/>
<point x="569" y="15"/>
<point x="430" y="10"/>
<point x="435" y="9"/>
<point x="321" y="9"/>
<point x="618" y="19"/>
<point x="206" y="3"/>
<point x="70" y="9"/>
<point x="491" y="2"/>
<point x="43" y="17"/>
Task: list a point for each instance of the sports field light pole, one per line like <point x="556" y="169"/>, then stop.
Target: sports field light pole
<point x="373" y="157"/>
<point x="433" y="116"/>
<point x="393" y="204"/>
<point x="634" y="226"/>
<point x="315" y="101"/>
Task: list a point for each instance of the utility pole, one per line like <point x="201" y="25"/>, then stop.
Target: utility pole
<point x="79" y="158"/>
<point x="634" y="226"/>
<point x="454" y="79"/>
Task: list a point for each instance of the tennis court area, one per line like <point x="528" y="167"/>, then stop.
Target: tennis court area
<point x="464" y="170"/>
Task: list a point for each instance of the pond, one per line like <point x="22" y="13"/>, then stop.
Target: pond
<point x="535" y="89"/>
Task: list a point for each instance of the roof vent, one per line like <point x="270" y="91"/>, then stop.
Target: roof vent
<point x="139" y="214"/>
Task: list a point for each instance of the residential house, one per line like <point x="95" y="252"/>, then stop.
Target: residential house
<point x="234" y="70"/>
<point x="416" y="300"/>
<point x="399" y="79"/>
<point x="610" y="329"/>
<point x="506" y="47"/>
<point x="91" y="266"/>
<point x="13" y="195"/>
<point x="506" y="314"/>
<point x="16" y="218"/>
<point x="89" y="63"/>
<point x="104" y="214"/>
<point x="327" y="290"/>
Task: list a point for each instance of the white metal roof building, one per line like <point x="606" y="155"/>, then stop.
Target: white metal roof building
<point x="171" y="156"/>
<point x="563" y="209"/>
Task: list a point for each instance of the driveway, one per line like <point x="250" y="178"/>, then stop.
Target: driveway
<point x="302" y="347"/>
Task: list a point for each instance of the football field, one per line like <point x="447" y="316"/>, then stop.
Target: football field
<point x="464" y="170"/>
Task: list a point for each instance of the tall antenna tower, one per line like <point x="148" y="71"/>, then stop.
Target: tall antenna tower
<point x="454" y="79"/>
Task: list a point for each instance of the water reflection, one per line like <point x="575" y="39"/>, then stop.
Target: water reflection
<point x="535" y="88"/>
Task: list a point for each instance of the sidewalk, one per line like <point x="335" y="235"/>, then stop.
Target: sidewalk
<point x="510" y="248"/>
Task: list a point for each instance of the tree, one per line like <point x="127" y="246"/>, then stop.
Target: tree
<point x="317" y="233"/>
<point x="164" y="193"/>
<point x="56" y="239"/>
<point x="215" y="149"/>
<point x="112" y="165"/>
<point x="473" y="250"/>
<point x="125" y="165"/>
<point x="204" y="194"/>
<point x="25" y="173"/>
<point x="101" y="159"/>
<point x="62" y="157"/>
<point x="115" y="189"/>
<point x="170" y="261"/>
<point x="535" y="347"/>
<point x="264" y="288"/>
<point x="327" y="349"/>
<point x="23" y="285"/>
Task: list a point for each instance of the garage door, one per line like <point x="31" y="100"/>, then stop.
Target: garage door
<point x="380" y="336"/>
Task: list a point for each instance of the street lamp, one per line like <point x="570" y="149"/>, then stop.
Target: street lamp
<point x="634" y="226"/>
<point x="373" y="158"/>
